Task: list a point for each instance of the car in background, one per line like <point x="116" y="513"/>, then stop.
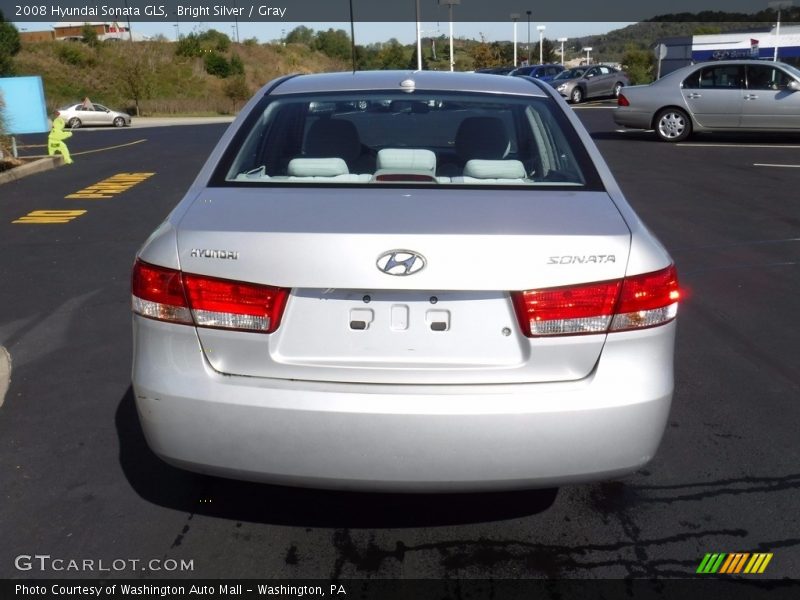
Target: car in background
<point x="596" y="81"/>
<point x="455" y="297"/>
<point x="541" y="72"/>
<point x="77" y="115"/>
<point x="737" y="95"/>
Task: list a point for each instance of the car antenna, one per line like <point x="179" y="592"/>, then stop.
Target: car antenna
<point x="352" y="37"/>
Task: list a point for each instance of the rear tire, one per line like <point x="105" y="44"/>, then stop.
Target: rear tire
<point x="576" y="96"/>
<point x="673" y="125"/>
<point x="74" y="123"/>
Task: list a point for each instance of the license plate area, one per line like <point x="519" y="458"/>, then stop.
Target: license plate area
<point x="399" y="328"/>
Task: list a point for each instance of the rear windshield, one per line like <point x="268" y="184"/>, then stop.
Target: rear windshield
<point x="407" y="138"/>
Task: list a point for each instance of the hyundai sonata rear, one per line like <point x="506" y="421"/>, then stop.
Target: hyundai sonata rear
<point x="404" y="281"/>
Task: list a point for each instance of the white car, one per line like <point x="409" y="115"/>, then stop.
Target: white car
<point x="76" y="115"/>
<point x="451" y="297"/>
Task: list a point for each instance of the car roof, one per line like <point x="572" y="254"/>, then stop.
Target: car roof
<point x="446" y="81"/>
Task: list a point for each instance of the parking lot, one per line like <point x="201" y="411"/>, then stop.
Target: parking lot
<point x="80" y="483"/>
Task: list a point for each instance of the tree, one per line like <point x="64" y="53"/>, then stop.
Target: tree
<point x="9" y="46"/>
<point x="189" y="46"/>
<point x="237" y="65"/>
<point x="333" y="43"/>
<point x="638" y="64"/>
<point x="137" y="72"/>
<point x="236" y="89"/>
<point x="392" y="56"/>
<point x="549" y="53"/>
<point x="214" y="40"/>
<point x="300" y="35"/>
<point x="485" y="55"/>
<point x="217" y="65"/>
<point x="89" y="35"/>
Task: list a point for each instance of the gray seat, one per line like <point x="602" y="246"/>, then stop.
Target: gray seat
<point x="483" y="138"/>
<point x="337" y="138"/>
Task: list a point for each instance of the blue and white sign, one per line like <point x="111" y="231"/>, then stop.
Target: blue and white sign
<point x="25" y="110"/>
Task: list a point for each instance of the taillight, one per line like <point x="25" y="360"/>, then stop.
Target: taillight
<point x="632" y="303"/>
<point x="622" y="100"/>
<point x="170" y="295"/>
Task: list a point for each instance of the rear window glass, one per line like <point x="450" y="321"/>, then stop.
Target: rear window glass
<point x="407" y="138"/>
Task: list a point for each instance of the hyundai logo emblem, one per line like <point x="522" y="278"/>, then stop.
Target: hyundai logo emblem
<point x="401" y="262"/>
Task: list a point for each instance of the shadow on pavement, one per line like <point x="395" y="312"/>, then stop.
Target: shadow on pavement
<point x="166" y="486"/>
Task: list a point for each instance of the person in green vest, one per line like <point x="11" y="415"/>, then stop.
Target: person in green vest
<point x="55" y="141"/>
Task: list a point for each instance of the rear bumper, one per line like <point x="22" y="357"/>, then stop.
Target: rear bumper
<point x="403" y="437"/>
<point x="634" y="119"/>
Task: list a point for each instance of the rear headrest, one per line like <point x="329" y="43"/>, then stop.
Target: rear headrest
<point x="494" y="169"/>
<point x="482" y="137"/>
<point x="407" y="159"/>
<point x="317" y="167"/>
<point x="332" y="137"/>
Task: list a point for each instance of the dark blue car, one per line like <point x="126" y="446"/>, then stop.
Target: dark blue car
<point x="543" y="72"/>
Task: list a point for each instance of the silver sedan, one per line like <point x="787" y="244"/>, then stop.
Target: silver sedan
<point x="582" y="83"/>
<point x="741" y="95"/>
<point x="78" y="115"/>
<point x="447" y="294"/>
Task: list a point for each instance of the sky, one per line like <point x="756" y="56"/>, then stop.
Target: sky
<point x="367" y="33"/>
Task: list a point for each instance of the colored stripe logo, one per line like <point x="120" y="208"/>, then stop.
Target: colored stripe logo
<point x="734" y="564"/>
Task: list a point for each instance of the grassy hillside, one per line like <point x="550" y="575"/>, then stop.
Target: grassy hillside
<point x="166" y="83"/>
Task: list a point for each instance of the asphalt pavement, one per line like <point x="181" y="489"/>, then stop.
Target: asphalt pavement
<point x="78" y="481"/>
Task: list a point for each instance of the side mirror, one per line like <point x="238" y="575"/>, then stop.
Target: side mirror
<point x="793" y="86"/>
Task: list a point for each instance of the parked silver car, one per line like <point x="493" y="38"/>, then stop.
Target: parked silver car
<point x="453" y="297"/>
<point x="77" y="115"/>
<point x="582" y="83"/>
<point x="739" y="95"/>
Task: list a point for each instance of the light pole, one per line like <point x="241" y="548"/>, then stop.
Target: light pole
<point x="541" y="29"/>
<point x="515" y="18"/>
<point x="588" y="49"/>
<point x="527" y="12"/>
<point x="419" y="41"/>
<point x="562" y="40"/>
<point x="450" y="4"/>
<point x="779" y="4"/>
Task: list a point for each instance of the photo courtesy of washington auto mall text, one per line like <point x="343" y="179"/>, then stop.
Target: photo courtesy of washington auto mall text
<point x="175" y="590"/>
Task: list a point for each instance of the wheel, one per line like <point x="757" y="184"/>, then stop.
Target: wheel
<point x="673" y="125"/>
<point x="576" y="96"/>
<point x="363" y="104"/>
<point x="119" y="122"/>
<point x="74" y="123"/>
<point x="617" y="89"/>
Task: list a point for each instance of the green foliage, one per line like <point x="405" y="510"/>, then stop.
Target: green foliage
<point x="333" y="43"/>
<point x="9" y="46"/>
<point x="217" y="65"/>
<point x="72" y="53"/>
<point x="550" y="54"/>
<point x="393" y="56"/>
<point x="638" y="64"/>
<point x="485" y="55"/>
<point x="300" y="35"/>
<point x="214" y="40"/>
<point x="236" y="65"/>
<point x="89" y="35"/>
<point x="250" y="42"/>
<point x="188" y="46"/>
<point x="236" y="89"/>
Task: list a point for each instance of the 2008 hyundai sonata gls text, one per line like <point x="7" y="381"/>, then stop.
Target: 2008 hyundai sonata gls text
<point x="404" y="281"/>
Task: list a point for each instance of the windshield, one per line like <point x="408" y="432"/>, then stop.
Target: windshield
<point x="570" y="74"/>
<point x="401" y="138"/>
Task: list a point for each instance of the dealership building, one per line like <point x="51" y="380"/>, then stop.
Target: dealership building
<point x="761" y="44"/>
